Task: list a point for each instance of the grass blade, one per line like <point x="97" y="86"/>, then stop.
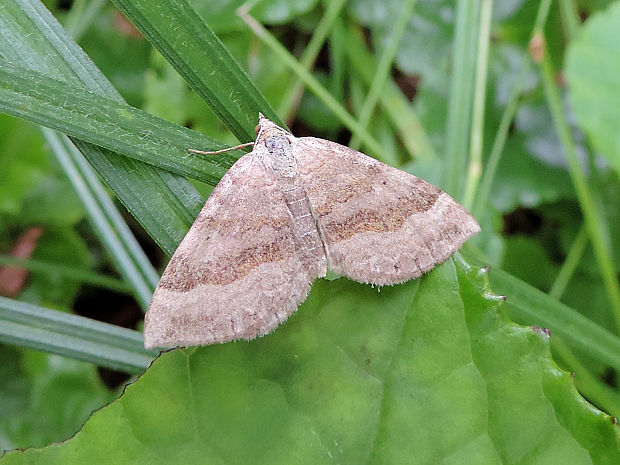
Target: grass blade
<point x="61" y="333"/>
<point x="592" y="217"/>
<point x="108" y="123"/>
<point x="394" y="103"/>
<point x="461" y="90"/>
<point x="67" y="272"/>
<point x="177" y="31"/>
<point x="106" y="221"/>
<point x="474" y="168"/>
<point x="32" y="38"/>
<point x="383" y="69"/>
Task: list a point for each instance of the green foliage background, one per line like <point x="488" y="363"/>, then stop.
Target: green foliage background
<point x="422" y="94"/>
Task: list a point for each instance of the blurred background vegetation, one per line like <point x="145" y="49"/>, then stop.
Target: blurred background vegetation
<point x="546" y="111"/>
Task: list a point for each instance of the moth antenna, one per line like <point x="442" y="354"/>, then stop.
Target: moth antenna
<point x="229" y="149"/>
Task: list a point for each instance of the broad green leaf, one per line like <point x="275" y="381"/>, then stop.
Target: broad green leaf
<point x="592" y="67"/>
<point x="425" y="372"/>
<point x="530" y="306"/>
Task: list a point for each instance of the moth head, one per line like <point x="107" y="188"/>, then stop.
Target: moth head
<point x="267" y="128"/>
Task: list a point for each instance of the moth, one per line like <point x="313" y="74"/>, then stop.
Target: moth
<point x="284" y="214"/>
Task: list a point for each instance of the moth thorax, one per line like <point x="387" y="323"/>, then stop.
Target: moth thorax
<point x="280" y="155"/>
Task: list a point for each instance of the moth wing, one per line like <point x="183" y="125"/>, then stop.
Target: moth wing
<point x="238" y="272"/>
<point x="379" y="224"/>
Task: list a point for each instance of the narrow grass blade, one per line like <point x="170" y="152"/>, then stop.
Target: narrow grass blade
<point x="313" y="84"/>
<point x="178" y="32"/>
<point x="474" y="168"/>
<point x="106" y="221"/>
<point x="67" y="272"/>
<point x="383" y="69"/>
<point x="73" y="336"/>
<point x="394" y="103"/>
<point x="108" y="123"/>
<point x="461" y="90"/>
<point x="32" y="38"/>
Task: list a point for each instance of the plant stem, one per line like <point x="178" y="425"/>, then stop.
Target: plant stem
<point x="81" y="276"/>
<point x="474" y="168"/>
<point x="383" y="69"/>
<point x="459" y="105"/>
<point x="311" y="82"/>
<point x="593" y="221"/>
<point x="293" y="96"/>
<point x="570" y="264"/>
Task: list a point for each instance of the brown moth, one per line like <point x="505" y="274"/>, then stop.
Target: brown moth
<point x="280" y="217"/>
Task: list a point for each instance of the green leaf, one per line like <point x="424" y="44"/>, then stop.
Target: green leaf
<point x="425" y="372"/>
<point x="592" y="68"/>
<point x="530" y="306"/>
